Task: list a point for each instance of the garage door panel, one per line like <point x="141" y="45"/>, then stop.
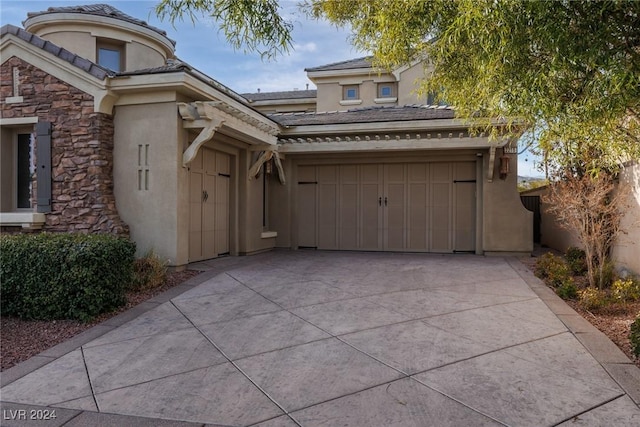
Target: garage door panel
<point x="440" y="227"/>
<point x="395" y="215"/>
<point x="327" y="216"/>
<point x="348" y="208"/>
<point x="418" y="172"/>
<point x="370" y="217"/>
<point x="307" y="206"/>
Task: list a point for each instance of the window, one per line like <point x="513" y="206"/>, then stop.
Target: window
<point x="111" y="55"/>
<point x="350" y="93"/>
<point x="17" y="169"/>
<point x="23" y="171"/>
<point x="386" y="90"/>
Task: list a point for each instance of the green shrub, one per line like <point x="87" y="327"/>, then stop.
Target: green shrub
<point x="567" y="290"/>
<point x="577" y="260"/>
<point x="608" y="274"/>
<point x="63" y="276"/>
<point x="148" y="272"/>
<point x="626" y="290"/>
<point x="553" y="270"/>
<point x="592" y="298"/>
<point x="634" y="336"/>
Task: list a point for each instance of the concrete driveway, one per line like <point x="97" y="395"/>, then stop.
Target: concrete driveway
<point x="336" y="339"/>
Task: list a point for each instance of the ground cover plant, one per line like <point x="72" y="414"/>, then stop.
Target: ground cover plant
<point x="613" y="307"/>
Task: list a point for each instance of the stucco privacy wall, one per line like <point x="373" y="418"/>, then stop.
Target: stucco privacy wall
<point x="82" y="196"/>
<point x="626" y="251"/>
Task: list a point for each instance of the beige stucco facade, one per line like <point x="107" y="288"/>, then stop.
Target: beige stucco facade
<point x="198" y="171"/>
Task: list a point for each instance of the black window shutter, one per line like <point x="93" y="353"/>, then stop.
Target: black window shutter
<point x="43" y="174"/>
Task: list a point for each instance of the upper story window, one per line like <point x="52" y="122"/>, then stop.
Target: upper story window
<point x="110" y="55"/>
<point x="350" y="93"/>
<point x="386" y="90"/>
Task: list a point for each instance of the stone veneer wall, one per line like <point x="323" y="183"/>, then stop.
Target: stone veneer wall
<point x="82" y="198"/>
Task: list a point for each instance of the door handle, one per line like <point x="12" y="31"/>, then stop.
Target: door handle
<point x="379" y="201"/>
<point x="205" y="195"/>
<point x="385" y="201"/>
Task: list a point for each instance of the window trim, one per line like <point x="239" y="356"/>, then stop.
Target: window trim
<point x="112" y="45"/>
<point x="391" y="86"/>
<point x="347" y="88"/>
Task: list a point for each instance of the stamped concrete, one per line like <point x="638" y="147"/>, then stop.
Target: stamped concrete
<point x="313" y="338"/>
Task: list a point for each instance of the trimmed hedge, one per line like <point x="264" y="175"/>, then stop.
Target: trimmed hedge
<point x="63" y="276"/>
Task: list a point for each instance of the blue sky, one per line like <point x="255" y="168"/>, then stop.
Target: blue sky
<point x="200" y="45"/>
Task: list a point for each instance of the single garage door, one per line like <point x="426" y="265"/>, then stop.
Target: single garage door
<point x="413" y="207"/>
<point x="209" y="177"/>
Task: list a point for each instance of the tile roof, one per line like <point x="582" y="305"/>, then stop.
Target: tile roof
<point x="364" y="62"/>
<point x="289" y="94"/>
<point x="73" y="59"/>
<point x="365" y="115"/>
<point x="176" y="65"/>
<point x="100" y="10"/>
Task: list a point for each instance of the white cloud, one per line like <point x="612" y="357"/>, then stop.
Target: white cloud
<point x="307" y="47"/>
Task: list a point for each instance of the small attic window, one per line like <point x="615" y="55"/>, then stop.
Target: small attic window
<point x="110" y="55"/>
<point x="386" y="90"/>
<point x="350" y="92"/>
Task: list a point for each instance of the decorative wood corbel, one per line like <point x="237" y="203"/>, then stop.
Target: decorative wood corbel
<point x="281" y="177"/>
<point x="205" y="135"/>
<point x="264" y="157"/>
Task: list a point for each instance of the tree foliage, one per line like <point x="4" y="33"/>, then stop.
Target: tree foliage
<point x="254" y="25"/>
<point x="568" y="69"/>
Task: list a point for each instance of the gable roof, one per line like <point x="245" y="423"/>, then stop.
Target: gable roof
<point x="288" y="94"/>
<point x="364" y="62"/>
<point x="100" y="10"/>
<point x="84" y="64"/>
<point x="366" y="115"/>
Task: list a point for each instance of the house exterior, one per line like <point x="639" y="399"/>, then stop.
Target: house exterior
<point x="105" y="130"/>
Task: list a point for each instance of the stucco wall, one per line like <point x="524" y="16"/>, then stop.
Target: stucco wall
<point x="140" y="52"/>
<point x="82" y="197"/>
<point x="508" y="225"/>
<point x="552" y="235"/>
<point x="626" y="251"/>
<point x="251" y="209"/>
<point x="151" y="213"/>
<point x="330" y="91"/>
<point x="407" y="85"/>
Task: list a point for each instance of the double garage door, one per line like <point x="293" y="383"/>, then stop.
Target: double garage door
<point x="413" y="207"/>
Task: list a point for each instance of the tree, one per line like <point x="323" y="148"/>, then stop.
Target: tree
<point x="592" y="207"/>
<point x="255" y="25"/>
<point x="569" y="70"/>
